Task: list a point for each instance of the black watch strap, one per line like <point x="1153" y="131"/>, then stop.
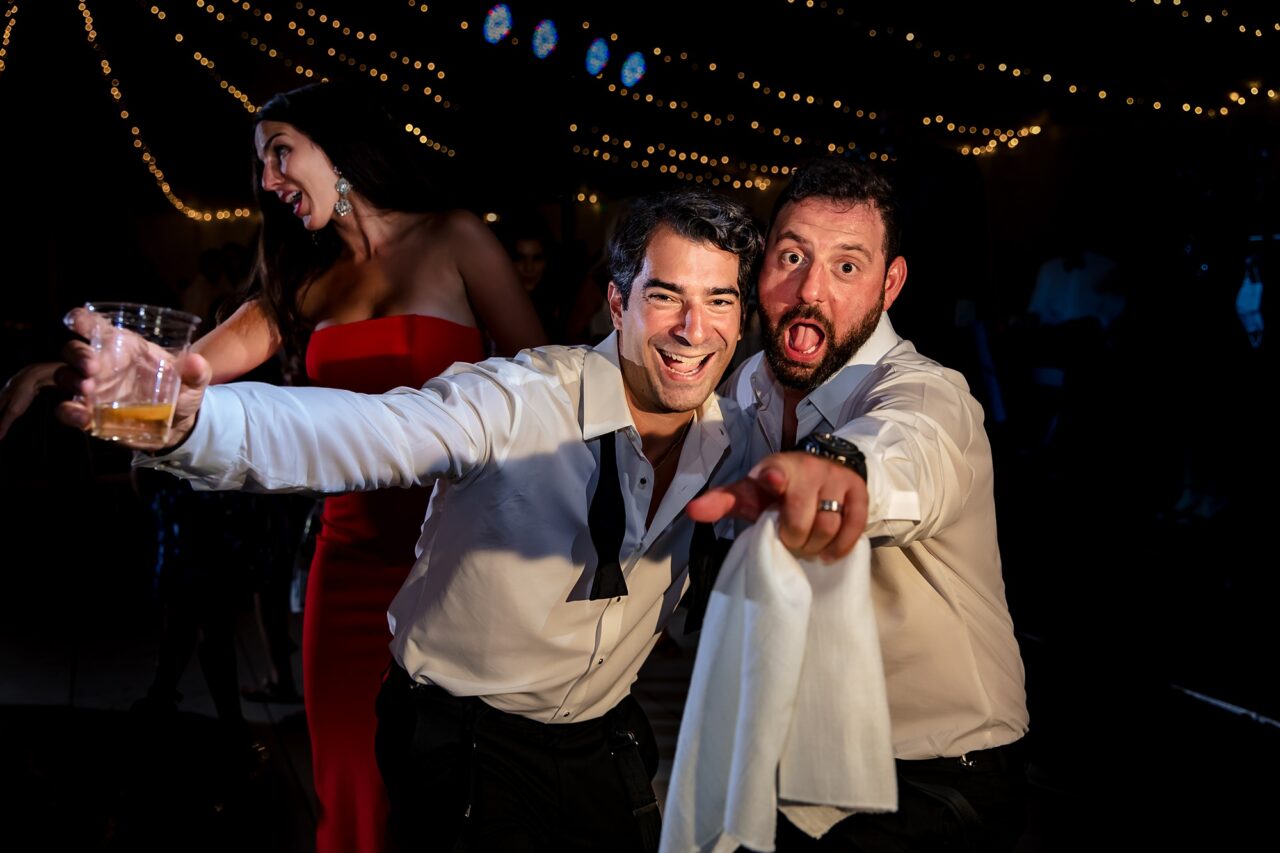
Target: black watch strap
<point x="838" y="450"/>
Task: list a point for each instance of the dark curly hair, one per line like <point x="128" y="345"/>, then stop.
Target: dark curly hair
<point x="697" y="215"/>
<point x="846" y="182"/>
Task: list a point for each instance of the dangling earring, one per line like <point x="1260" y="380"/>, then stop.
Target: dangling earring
<point x="342" y="206"/>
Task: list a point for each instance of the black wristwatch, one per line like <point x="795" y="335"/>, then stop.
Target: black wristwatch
<point x="837" y="449"/>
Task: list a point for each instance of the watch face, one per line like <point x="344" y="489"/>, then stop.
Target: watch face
<point x="836" y="449"/>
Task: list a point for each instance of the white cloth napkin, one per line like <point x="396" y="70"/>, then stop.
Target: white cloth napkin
<point x="787" y="702"/>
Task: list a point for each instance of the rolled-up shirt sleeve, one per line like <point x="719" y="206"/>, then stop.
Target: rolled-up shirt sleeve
<point x="265" y="438"/>
<point x="914" y="430"/>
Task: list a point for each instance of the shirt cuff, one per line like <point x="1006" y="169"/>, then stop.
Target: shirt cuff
<point x="208" y="454"/>
<point x="887" y="498"/>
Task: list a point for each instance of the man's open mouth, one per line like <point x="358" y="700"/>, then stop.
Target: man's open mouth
<point x="804" y="340"/>
<point x="684" y="366"/>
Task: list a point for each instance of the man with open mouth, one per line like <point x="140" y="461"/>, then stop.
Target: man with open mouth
<point x="836" y="380"/>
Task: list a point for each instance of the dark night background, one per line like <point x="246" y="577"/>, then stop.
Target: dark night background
<point x="1146" y="626"/>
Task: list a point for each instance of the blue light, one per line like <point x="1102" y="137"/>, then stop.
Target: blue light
<point x="544" y="38"/>
<point x="632" y="69"/>
<point x="597" y="56"/>
<point x="497" y="24"/>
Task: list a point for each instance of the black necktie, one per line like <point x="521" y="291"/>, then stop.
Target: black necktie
<point x="706" y="554"/>
<point x="607" y="521"/>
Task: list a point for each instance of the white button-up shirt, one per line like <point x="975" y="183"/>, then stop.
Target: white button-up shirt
<point x="953" y="671"/>
<point x="497" y="603"/>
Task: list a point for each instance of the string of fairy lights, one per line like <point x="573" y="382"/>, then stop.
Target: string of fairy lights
<point x="430" y="68"/>
<point x="260" y="44"/>
<point x="1103" y="92"/>
<point x="776" y="131"/>
<point x="329" y="25"/>
<point x="1216" y="14"/>
<point x="670" y="160"/>
<point x="495" y="34"/>
<point x="10" y="20"/>
<point x="316" y="29"/>
<point x="189" y="210"/>
<point x="769" y="130"/>
<point x="674" y="161"/>
<point x="780" y="133"/>
<point x="254" y="40"/>
<point x="240" y="96"/>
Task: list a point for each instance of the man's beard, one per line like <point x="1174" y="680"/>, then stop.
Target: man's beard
<point x="800" y="377"/>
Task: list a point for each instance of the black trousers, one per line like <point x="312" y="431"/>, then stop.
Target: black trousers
<point x="462" y="775"/>
<point x="943" y="804"/>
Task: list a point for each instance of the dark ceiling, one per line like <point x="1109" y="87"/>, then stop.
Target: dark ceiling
<point x="509" y="114"/>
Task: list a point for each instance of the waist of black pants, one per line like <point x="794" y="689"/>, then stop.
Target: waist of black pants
<point x="473" y="707"/>
<point x="1011" y="756"/>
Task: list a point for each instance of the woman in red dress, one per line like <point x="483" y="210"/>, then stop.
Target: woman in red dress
<point x="389" y="293"/>
<point x="392" y="293"/>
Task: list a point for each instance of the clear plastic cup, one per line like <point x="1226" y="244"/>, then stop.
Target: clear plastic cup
<point x="140" y="350"/>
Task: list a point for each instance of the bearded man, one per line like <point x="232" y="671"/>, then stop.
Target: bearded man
<point x="836" y="380"/>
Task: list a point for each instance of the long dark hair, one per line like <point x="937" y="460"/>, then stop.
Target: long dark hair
<point x="370" y="149"/>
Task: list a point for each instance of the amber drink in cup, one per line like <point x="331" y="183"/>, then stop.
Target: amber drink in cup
<point x="140" y="350"/>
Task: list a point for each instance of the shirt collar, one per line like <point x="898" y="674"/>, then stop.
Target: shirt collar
<point x="830" y="397"/>
<point x="604" y="399"/>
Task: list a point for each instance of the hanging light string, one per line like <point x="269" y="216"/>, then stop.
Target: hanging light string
<point x="992" y="136"/>
<point x="772" y="92"/>
<point x="414" y="129"/>
<point x="260" y="44"/>
<point x="187" y="209"/>
<point x="1253" y="87"/>
<point x="1207" y="17"/>
<point x="1053" y="81"/>
<point x="667" y="159"/>
<point x="769" y="130"/>
<point x="429" y="68"/>
<point x="332" y="26"/>
<point x="10" y="19"/>
<point x="781" y="93"/>
<point x="241" y="97"/>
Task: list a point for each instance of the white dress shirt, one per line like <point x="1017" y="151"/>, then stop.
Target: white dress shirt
<point x="953" y="671"/>
<point x="496" y="605"/>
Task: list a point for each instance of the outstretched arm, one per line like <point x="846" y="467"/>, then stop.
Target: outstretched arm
<point x="245" y="340"/>
<point x="260" y="437"/>
<point x="796" y="483"/>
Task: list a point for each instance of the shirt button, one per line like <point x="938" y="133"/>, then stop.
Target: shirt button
<point x="600" y="661"/>
<point x="643" y="481"/>
<point x="566" y="713"/>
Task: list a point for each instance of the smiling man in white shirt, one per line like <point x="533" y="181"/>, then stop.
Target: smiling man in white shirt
<point x="556" y="543"/>
<point x="836" y="379"/>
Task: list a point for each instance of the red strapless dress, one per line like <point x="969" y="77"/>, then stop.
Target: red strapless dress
<point x="363" y="554"/>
